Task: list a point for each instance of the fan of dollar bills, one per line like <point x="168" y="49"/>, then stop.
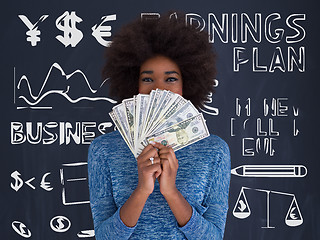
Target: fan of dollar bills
<point x="161" y="116"/>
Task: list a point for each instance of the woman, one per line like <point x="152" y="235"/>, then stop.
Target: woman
<point x="162" y="194"/>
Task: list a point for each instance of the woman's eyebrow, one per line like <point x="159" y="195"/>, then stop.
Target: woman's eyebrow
<point x="166" y="72"/>
<point x="171" y="72"/>
<point x="146" y="72"/>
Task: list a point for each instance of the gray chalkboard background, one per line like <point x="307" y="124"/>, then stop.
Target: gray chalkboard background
<point x="265" y="107"/>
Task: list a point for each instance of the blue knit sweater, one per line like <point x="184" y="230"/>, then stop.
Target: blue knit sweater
<point x="203" y="179"/>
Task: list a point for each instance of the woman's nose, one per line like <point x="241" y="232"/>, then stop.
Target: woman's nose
<point x="159" y="84"/>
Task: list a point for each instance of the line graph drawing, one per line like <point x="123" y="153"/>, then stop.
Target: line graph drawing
<point x="34" y="99"/>
<point x="242" y="210"/>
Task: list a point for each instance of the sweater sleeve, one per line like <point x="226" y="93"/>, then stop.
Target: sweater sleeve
<point x="208" y="219"/>
<point x="106" y="215"/>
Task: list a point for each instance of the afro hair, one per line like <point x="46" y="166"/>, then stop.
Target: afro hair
<point x="168" y="36"/>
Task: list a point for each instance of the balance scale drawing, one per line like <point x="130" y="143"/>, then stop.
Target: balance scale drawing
<point x="242" y="210"/>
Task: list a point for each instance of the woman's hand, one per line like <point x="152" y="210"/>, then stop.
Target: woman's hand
<point x="147" y="171"/>
<point x="170" y="165"/>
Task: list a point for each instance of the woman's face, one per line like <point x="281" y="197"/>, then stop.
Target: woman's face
<point x="160" y="72"/>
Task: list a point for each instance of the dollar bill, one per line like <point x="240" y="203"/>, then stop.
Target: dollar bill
<point x="167" y="101"/>
<point x="147" y="115"/>
<point x="181" y="134"/>
<point x="161" y="116"/>
<point x="120" y="129"/>
<point x="174" y="107"/>
<point x="156" y="107"/>
<point x="130" y="113"/>
<point x="120" y="113"/>
<point x="142" y="101"/>
<point x="155" y="101"/>
<point x="185" y="112"/>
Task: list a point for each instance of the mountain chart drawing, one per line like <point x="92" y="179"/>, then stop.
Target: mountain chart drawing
<point x="34" y="99"/>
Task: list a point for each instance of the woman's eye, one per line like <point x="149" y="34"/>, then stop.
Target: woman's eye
<point x="147" y="80"/>
<point x="171" y="79"/>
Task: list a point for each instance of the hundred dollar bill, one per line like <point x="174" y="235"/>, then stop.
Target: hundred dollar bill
<point x="181" y="134"/>
<point x="130" y="113"/>
<point x="145" y="120"/>
<point x="174" y="107"/>
<point x="142" y="108"/>
<point x="152" y="108"/>
<point x="167" y="101"/>
<point x="153" y="99"/>
<point x="188" y="110"/>
<point x="142" y="101"/>
<point x="120" y="129"/>
<point x="157" y="105"/>
<point x="120" y="113"/>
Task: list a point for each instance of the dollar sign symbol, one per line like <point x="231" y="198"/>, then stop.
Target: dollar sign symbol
<point x="61" y="225"/>
<point x="72" y="36"/>
<point x="18" y="181"/>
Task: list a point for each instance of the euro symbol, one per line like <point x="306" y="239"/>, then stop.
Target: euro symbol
<point x="45" y="185"/>
<point x="292" y="214"/>
<point x="103" y="31"/>
<point x="18" y="181"/>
